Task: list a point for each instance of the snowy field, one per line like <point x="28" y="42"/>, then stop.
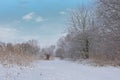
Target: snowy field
<point x="59" y="70"/>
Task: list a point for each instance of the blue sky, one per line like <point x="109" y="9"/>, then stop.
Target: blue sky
<point x="42" y="20"/>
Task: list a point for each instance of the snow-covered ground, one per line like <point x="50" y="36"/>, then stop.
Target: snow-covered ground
<point x="59" y="70"/>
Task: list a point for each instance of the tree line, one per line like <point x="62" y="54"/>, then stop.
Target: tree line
<point x="93" y="33"/>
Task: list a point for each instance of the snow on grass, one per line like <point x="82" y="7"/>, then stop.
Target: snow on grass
<point x="59" y="70"/>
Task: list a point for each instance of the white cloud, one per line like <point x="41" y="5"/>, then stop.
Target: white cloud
<point x="33" y="16"/>
<point x="39" y="19"/>
<point x="7" y="34"/>
<point x="28" y="16"/>
<point x="69" y="9"/>
<point x="62" y="12"/>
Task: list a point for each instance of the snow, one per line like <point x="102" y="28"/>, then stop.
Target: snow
<point x="59" y="70"/>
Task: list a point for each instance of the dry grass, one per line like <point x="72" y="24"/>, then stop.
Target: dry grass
<point x="21" y="60"/>
<point x="102" y="60"/>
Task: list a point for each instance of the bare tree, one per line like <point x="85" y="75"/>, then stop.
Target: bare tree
<point x="79" y="24"/>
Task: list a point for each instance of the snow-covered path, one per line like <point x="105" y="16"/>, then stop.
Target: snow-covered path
<point x="59" y="70"/>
